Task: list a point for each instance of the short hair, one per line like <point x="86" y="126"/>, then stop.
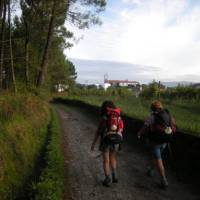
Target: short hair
<point x="105" y="105"/>
<point x="156" y="105"/>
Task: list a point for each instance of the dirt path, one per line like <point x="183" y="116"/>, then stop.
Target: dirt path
<point x="84" y="169"/>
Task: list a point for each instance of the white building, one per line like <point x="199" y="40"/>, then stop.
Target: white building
<point x="106" y="86"/>
<point x="122" y="83"/>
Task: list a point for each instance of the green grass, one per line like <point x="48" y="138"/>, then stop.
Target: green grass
<point x="23" y="123"/>
<point x="186" y="113"/>
<point x="51" y="183"/>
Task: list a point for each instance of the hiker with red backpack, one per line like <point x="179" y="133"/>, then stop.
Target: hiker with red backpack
<point x="110" y="132"/>
<point x="159" y="128"/>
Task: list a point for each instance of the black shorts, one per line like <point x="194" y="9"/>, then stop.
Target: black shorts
<point x="108" y="147"/>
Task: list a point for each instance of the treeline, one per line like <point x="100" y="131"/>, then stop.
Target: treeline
<point x="154" y="90"/>
<point x="181" y="92"/>
<point x="111" y="91"/>
<point x="33" y="37"/>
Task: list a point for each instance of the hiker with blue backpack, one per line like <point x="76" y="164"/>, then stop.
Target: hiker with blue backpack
<point x="110" y="132"/>
<point x="159" y="128"/>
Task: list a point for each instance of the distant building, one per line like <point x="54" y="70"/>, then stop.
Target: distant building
<point x="133" y="85"/>
<point x="122" y="83"/>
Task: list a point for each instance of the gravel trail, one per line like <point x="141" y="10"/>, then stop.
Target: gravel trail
<point x="83" y="168"/>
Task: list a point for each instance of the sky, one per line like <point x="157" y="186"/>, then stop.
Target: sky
<point x="141" y="40"/>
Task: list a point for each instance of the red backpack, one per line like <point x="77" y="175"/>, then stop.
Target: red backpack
<point x="113" y="119"/>
<point x="113" y="122"/>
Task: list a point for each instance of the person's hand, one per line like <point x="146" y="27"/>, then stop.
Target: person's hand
<point x="120" y="133"/>
<point x="138" y="136"/>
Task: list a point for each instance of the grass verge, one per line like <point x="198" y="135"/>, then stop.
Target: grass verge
<point x="23" y="123"/>
<point x="51" y="182"/>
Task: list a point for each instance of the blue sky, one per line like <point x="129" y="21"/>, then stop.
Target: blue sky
<point x="162" y="34"/>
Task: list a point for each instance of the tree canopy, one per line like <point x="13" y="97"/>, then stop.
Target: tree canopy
<point x="32" y="43"/>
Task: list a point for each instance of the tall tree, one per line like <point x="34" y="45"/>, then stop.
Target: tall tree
<point x="11" y="49"/>
<point x="2" y="42"/>
<point x="29" y="8"/>
<point x="1" y="7"/>
<point x="82" y="18"/>
<point x="84" y="13"/>
<point x="44" y="63"/>
<point x="42" y="28"/>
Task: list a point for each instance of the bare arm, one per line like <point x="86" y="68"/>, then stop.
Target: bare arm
<point x="145" y="128"/>
<point x="142" y="131"/>
<point x="94" y="140"/>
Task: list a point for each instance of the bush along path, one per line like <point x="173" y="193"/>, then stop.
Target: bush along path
<point x="83" y="169"/>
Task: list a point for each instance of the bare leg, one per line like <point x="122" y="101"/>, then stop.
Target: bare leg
<point x="113" y="163"/>
<point x="159" y="166"/>
<point x="106" y="168"/>
<point x="106" y="163"/>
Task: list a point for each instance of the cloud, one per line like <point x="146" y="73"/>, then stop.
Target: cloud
<point x="135" y="2"/>
<point x="94" y="70"/>
<point x="161" y="33"/>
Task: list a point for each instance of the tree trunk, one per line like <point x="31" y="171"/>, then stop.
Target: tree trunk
<point x="27" y="24"/>
<point x="11" y="50"/>
<point x="1" y="7"/>
<point x="44" y="63"/>
<point x="27" y="52"/>
<point x="2" y="45"/>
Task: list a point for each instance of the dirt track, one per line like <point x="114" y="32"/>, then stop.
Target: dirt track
<point x="83" y="168"/>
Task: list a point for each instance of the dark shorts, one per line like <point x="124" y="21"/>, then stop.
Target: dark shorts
<point x="157" y="150"/>
<point x="108" y="147"/>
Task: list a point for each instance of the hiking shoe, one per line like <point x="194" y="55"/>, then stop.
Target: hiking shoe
<point x="164" y="184"/>
<point x="115" y="180"/>
<point x="107" y="181"/>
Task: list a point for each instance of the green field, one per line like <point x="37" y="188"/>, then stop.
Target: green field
<point x="187" y="114"/>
